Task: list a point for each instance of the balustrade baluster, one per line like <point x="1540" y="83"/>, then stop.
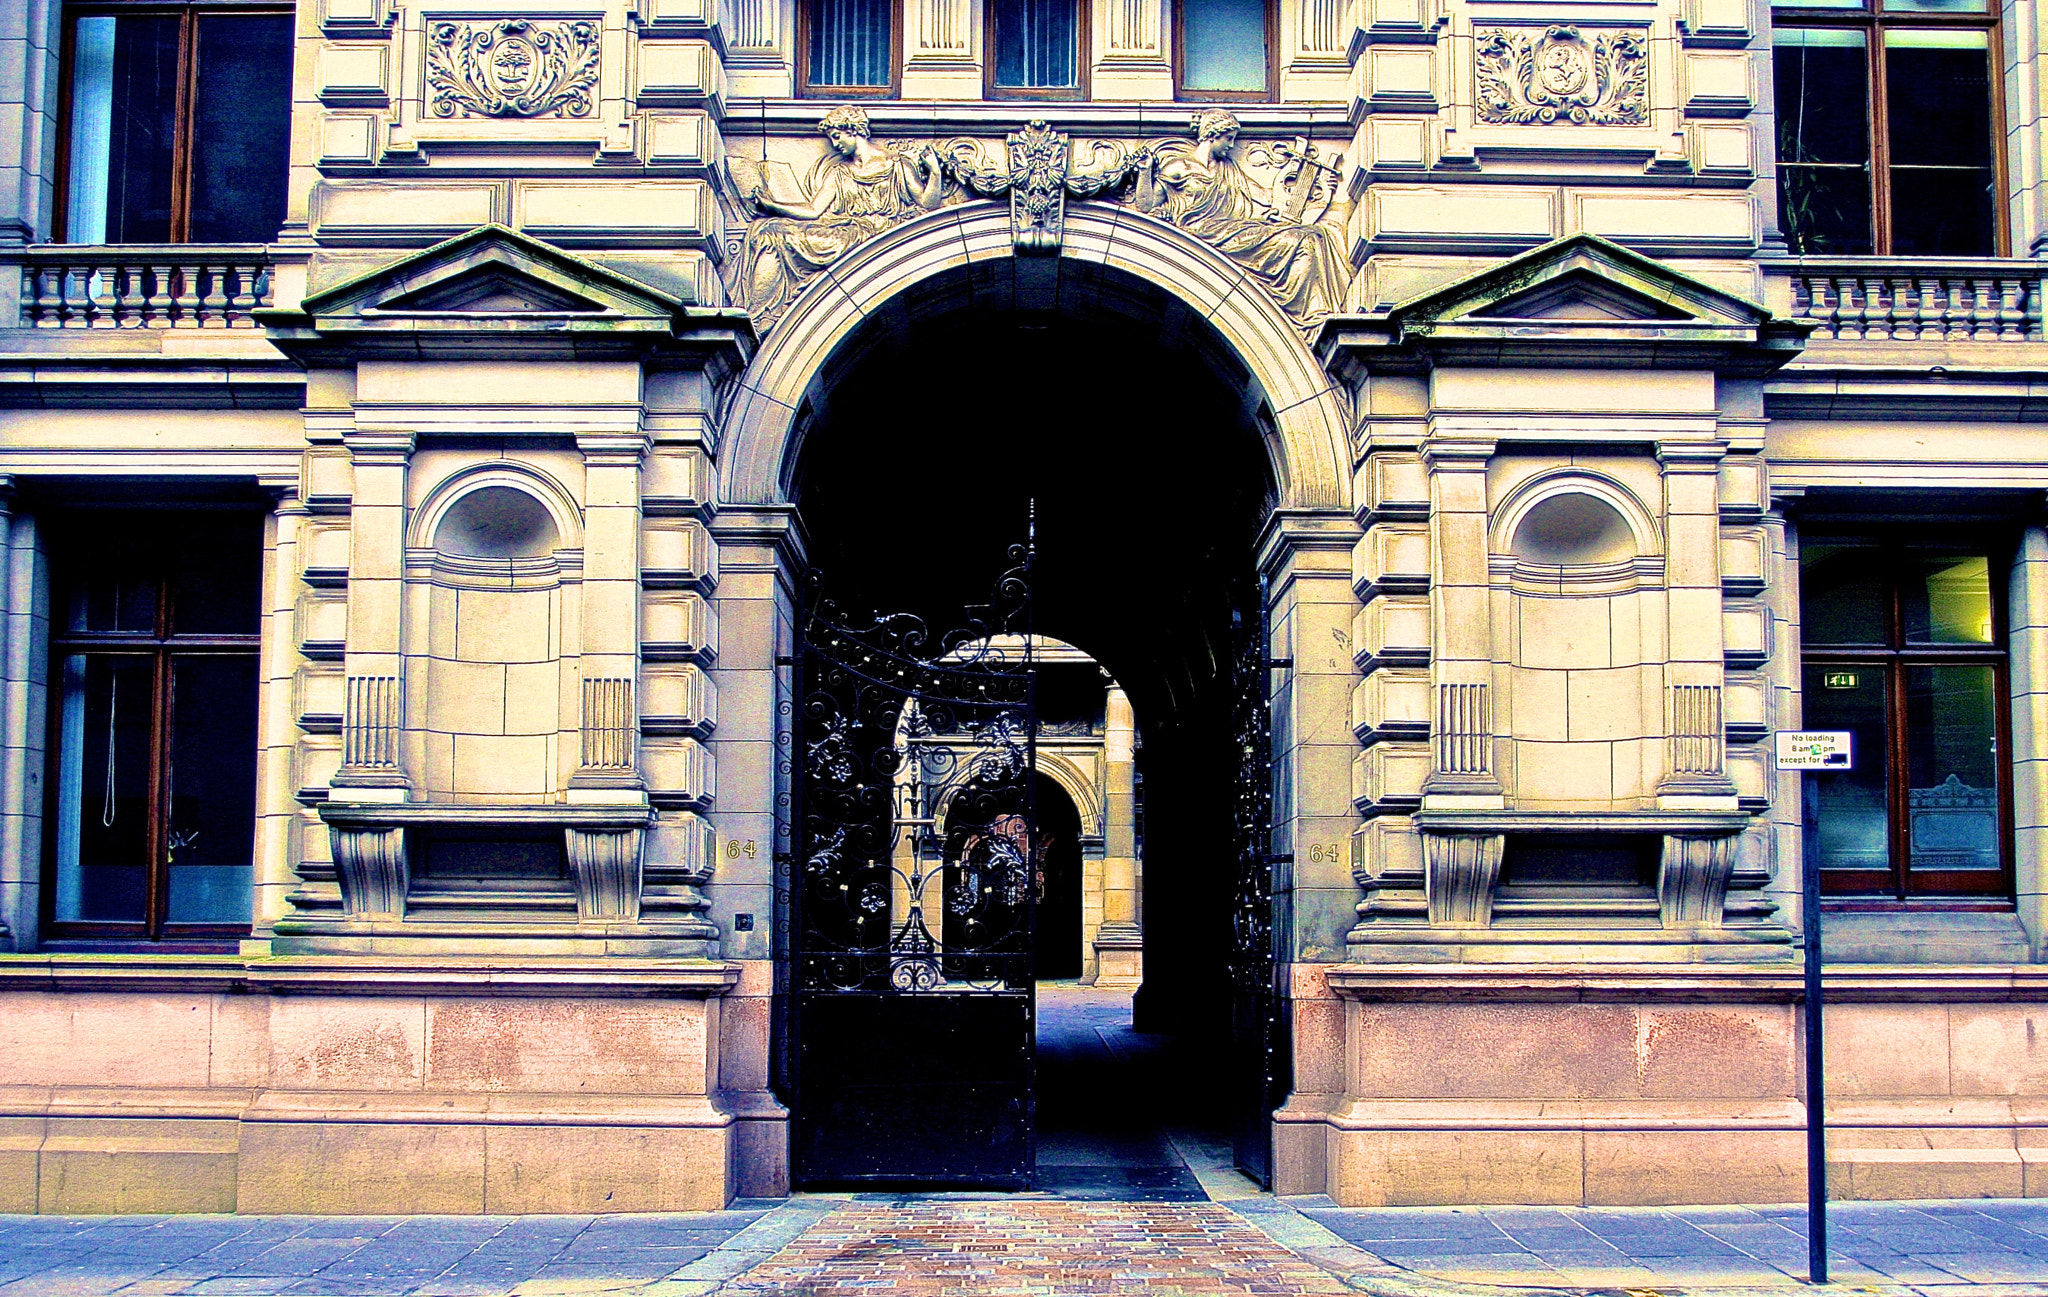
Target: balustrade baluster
<point x="218" y="294"/>
<point x="186" y="310"/>
<point x="134" y="297"/>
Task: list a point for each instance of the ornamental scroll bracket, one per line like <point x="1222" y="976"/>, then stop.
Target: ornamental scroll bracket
<point x="1560" y="77"/>
<point x="1038" y="175"/>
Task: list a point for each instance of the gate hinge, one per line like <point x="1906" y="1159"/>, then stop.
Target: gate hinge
<point x="1285" y="859"/>
<point x="785" y="661"/>
<point x="1277" y="663"/>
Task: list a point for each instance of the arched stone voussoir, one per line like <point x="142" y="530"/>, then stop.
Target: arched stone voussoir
<point x="1307" y="441"/>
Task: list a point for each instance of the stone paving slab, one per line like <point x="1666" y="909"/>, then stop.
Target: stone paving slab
<point x="1871" y="1245"/>
<point x="971" y="1249"/>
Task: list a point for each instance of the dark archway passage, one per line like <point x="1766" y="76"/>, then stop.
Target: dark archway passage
<point x="1057" y="939"/>
<point x="1128" y="423"/>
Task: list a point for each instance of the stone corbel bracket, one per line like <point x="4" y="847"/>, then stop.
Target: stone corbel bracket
<point x="1462" y="855"/>
<point x="604" y="846"/>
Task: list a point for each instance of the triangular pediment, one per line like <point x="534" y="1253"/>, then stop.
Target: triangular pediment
<point x="1582" y="295"/>
<point x="1579" y="283"/>
<point x="493" y="290"/>
<point x="490" y="274"/>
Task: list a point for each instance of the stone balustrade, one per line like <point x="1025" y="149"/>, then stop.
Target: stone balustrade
<point x="161" y="286"/>
<point x="1974" y="299"/>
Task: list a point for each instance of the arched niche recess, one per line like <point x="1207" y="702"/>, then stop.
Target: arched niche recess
<point x="495" y="560"/>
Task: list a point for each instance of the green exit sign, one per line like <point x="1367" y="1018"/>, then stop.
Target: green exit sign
<point x="1838" y="680"/>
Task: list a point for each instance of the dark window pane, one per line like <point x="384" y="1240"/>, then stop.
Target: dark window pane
<point x="241" y="127"/>
<point x="1823" y="140"/>
<point x="849" y="43"/>
<point x="216" y="585"/>
<point x="1952" y="760"/>
<point x="106" y="577"/>
<point x="142" y="119"/>
<point x="1938" y="115"/>
<point x="1223" y="44"/>
<point x="1854" y="812"/>
<point x="105" y="712"/>
<point x="1037" y="43"/>
<point x="1841" y="593"/>
<point x="1946" y="598"/>
<point x="211" y="782"/>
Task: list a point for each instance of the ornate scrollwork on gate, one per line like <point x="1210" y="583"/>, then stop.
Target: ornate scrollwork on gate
<point x="1560" y="77"/>
<point x="915" y="870"/>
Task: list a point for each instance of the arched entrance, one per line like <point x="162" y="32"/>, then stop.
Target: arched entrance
<point x="1166" y="423"/>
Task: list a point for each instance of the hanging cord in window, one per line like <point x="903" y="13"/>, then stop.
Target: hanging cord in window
<point x="107" y="801"/>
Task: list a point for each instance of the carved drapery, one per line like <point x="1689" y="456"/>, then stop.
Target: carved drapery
<point x="1559" y="77"/>
<point x="1272" y="208"/>
<point x="515" y="67"/>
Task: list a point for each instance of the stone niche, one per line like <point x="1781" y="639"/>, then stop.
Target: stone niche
<point x="489" y="798"/>
<point x="1548" y="634"/>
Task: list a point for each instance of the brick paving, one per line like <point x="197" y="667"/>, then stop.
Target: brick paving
<point x="1032" y="1248"/>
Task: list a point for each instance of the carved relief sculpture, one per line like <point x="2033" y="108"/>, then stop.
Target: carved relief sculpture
<point x="515" y="67"/>
<point x="858" y="189"/>
<point x="1280" y="235"/>
<point x="1562" y="78"/>
<point x="1282" y="229"/>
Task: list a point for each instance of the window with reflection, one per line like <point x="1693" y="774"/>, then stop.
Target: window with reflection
<point x="1222" y="49"/>
<point x="1903" y="648"/>
<point x="1886" y="135"/>
<point x="849" y="48"/>
<point x="153" y="684"/>
<point x="179" y="123"/>
<point x="1037" y="49"/>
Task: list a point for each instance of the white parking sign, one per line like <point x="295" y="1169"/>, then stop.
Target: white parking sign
<point x="1813" y="749"/>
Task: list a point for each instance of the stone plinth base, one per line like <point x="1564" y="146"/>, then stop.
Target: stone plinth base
<point x="1119" y="956"/>
<point x="1666" y="1084"/>
<point x="369" y="1086"/>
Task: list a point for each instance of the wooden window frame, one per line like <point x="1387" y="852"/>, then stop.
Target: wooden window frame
<point x="1269" y="94"/>
<point x="188" y="13"/>
<point x="806" y="90"/>
<point x="1084" y="60"/>
<point x="165" y="648"/>
<point x="1901" y="884"/>
<point x="1874" y="20"/>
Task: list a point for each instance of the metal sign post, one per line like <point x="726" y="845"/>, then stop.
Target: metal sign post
<point x="1809" y="753"/>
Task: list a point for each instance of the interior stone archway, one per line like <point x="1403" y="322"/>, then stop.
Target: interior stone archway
<point x="1300" y="411"/>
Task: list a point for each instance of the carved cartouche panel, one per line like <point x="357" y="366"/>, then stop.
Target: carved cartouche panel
<point x="1562" y="76"/>
<point x="514" y="67"/>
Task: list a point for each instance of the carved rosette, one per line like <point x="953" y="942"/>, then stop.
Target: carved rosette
<point x="1560" y="77"/>
<point x="515" y="67"/>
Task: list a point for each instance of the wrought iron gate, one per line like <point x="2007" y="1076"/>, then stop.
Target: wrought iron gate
<point x="912" y="903"/>
<point x="1261" y="1042"/>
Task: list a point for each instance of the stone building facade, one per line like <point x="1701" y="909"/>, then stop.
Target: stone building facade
<point x="420" y="422"/>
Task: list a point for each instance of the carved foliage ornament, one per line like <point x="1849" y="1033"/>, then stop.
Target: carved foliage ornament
<point x="1560" y="77"/>
<point x="515" y="67"/>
